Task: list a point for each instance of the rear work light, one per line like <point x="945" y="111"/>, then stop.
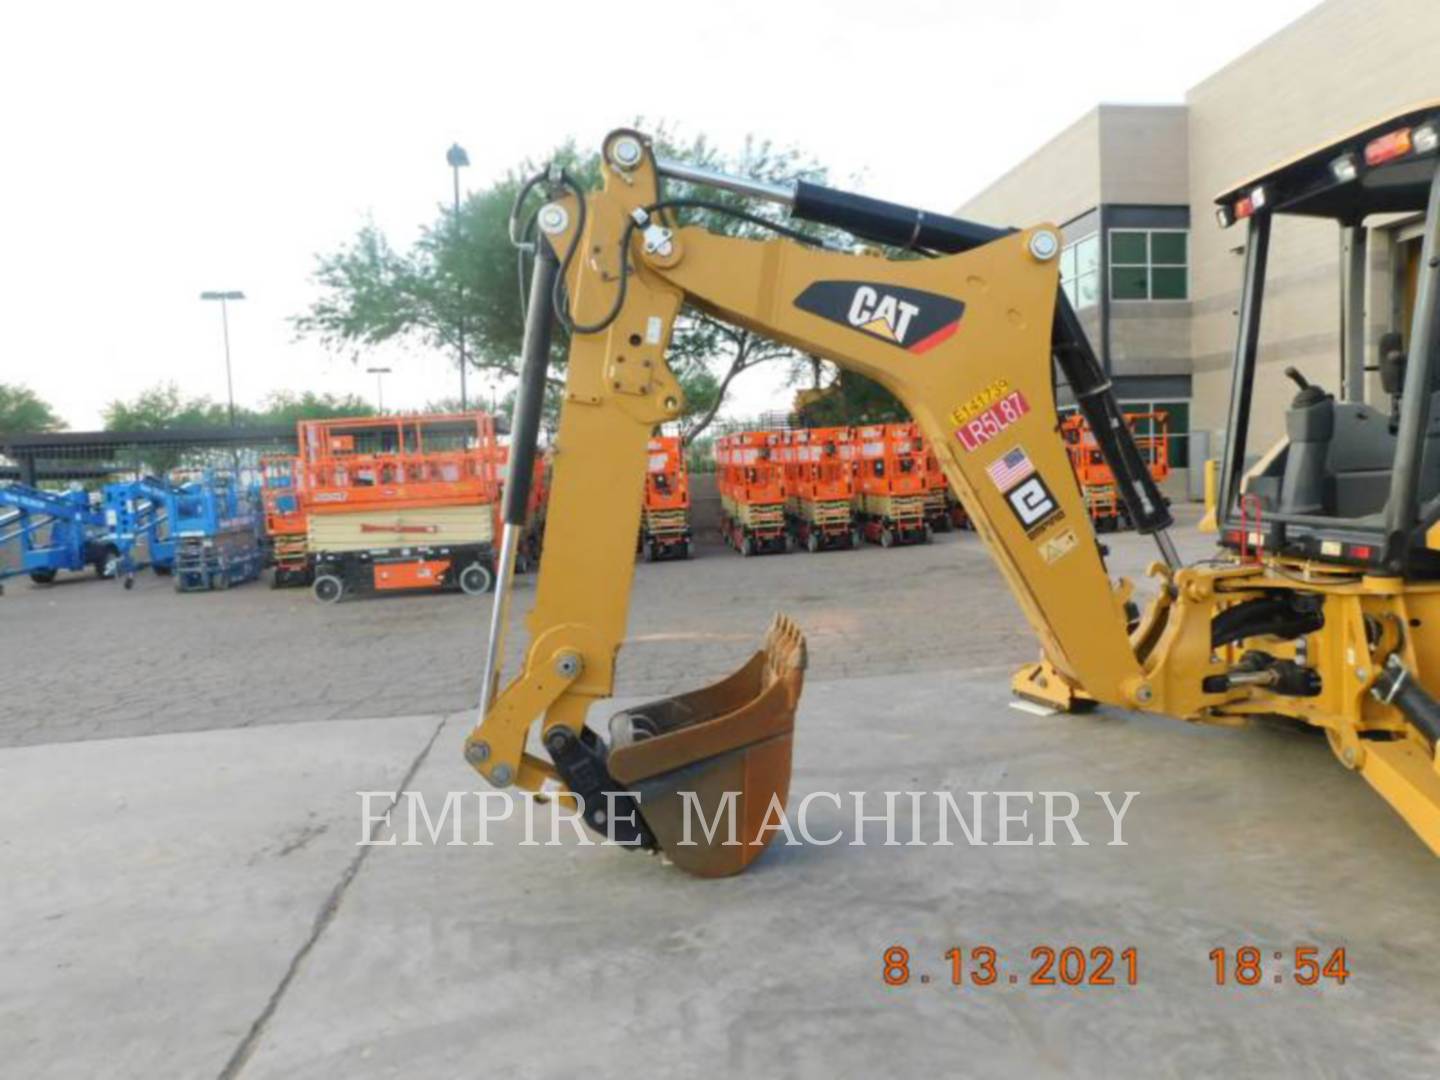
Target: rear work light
<point x="1224" y="217"/>
<point x="1344" y="168"/>
<point x="1426" y="137"/>
<point x="1388" y="147"/>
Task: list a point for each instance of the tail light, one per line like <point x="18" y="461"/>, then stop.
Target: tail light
<point x="1388" y="147"/>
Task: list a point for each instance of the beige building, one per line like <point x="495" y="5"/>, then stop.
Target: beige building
<point x="1157" y="282"/>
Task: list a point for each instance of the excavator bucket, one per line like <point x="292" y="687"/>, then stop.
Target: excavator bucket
<point x="708" y="765"/>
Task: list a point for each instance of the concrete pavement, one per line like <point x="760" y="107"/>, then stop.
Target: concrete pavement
<point x="220" y="921"/>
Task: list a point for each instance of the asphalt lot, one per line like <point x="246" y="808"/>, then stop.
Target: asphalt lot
<point x="86" y="659"/>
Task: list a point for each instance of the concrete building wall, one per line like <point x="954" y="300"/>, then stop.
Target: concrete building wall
<point x="1144" y="158"/>
<point x="1340" y="66"/>
<point x="1060" y="181"/>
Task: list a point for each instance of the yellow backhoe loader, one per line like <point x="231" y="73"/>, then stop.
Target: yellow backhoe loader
<point x="1322" y="604"/>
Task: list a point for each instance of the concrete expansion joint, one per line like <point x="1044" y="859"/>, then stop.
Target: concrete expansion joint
<point x="323" y="918"/>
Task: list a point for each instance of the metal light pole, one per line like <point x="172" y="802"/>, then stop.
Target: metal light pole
<point x="379" y="373"/>
<point x="458" y="159"/>
<point x="225" y="298"/>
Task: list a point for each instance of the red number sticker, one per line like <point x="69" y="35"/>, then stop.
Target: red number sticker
<point x="979" y="430"/>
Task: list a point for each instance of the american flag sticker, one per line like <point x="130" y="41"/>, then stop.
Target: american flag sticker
<point x="1009" y="470"/>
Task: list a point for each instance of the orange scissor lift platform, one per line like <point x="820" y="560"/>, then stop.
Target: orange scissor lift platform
<point x="752" y="492"/>
<point x="892" y="484"/>
<point x="665" y="521"/>
<point x="399" y="503"/>
<point x="532" y="540"/>
<point x="1097" y="481"/>
<point x="942" y="510"/>
<point x="286" y="524"/>
<point x="819" y="470"/>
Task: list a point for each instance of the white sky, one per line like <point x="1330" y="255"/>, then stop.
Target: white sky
<point x="150" y="151"/>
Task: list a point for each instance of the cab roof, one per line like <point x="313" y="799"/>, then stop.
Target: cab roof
<point x="1383" y="167"/>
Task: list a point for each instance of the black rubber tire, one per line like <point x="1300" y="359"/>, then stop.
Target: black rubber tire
<point x="42" y="577"/>
<point x="747" y="546"/>
<point x="476" y="579"/>
<point x="108" y="565"/>
<point x="328" y="589"/>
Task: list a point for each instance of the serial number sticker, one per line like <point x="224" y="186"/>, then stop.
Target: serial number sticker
<point x="980" y="402"/>
<point x="1058" y="546"/>
<point x="976" y="432"/>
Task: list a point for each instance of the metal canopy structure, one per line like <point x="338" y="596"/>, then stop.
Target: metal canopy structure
<point x="93" y="455"/>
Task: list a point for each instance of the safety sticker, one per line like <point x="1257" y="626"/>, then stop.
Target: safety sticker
<point x="976" y="432"/>
<point x="1058" y="546"/>
<point x="1033" y="504"/>
<point x="1009" y="470"/>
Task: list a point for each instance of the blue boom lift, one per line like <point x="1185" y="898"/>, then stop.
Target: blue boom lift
<point x="136" y="510"/>
<point x="56" y="531"/>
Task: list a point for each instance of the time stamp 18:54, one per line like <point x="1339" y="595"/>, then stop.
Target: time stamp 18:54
<point x="1107" y="966"/>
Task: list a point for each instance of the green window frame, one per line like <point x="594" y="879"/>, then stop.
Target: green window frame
<point x="1149" y="264"/>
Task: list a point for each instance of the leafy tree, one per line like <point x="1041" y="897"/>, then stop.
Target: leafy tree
<point x="22" y="411"/>
<point x="850" y="399"/>
<point x="162" y="406"/>
<point x="465" y="271"/>
<point x="283" y="407"/>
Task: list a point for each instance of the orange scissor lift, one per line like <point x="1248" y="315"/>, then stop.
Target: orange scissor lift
<point x="752" y="492"/>
<point x="1097" y="481"/>
<point x="282" y="496"/>
<point x="397" y="503"/>
<point x="942" y="510"/>
<point x="665" y="521"/>
<point x="819" y="468"/>
<point x="532" y="540"/>
<point x="892" y="484"/>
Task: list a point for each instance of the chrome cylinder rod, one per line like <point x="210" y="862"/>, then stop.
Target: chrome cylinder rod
<point x="784" y="194"/>
<point x="499" y="618"/>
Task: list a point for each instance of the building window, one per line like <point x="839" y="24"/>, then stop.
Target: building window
<point x="1080" y="271"/>
<point x="1176" y="426"/>
<point x="1149" y="264"/>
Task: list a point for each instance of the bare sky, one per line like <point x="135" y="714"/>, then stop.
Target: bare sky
<point x="151" y="151"/>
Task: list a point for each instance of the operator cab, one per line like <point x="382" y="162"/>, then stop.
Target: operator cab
<point x="1352" y="482"/>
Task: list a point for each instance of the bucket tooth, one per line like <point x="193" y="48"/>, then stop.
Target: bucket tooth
<point x="721" y="753"/>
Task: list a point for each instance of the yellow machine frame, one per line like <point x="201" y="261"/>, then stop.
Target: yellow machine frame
<point x="619" y="387"/>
